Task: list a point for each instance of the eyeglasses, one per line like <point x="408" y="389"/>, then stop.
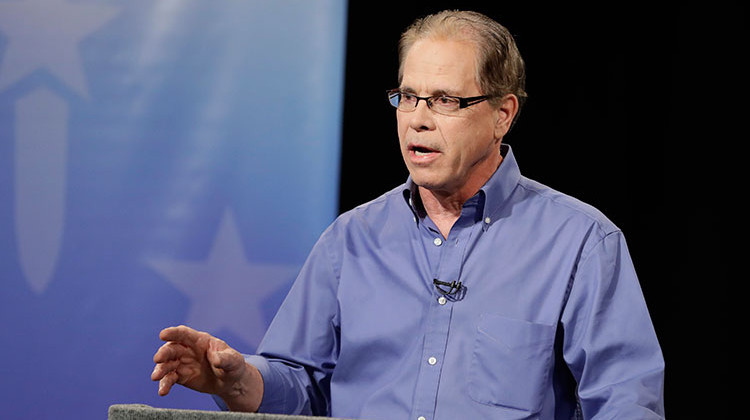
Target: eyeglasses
<point x="442" y="104"/>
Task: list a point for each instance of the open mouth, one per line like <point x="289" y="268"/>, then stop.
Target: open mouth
<point x="421" y="150"/>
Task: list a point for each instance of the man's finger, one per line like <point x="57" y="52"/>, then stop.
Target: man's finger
<point x="171" y="351"/>
<point x="180" y="334"/>
<point x="162" y="369"/>
<point x="165" y="384"/>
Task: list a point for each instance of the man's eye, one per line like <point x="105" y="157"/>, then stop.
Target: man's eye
<point x="446" y="100"/>
<point x="408" y="97"/>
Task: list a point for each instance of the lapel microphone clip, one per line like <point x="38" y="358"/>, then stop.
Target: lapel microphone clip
<point x="453" y="290"/>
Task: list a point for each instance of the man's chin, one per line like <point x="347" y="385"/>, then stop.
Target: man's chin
<point x="423" y="181"/>
<point x="431" y="184"/>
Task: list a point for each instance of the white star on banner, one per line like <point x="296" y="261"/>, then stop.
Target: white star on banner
<point x="226" y="291"/>
<point x="45" y="34"/>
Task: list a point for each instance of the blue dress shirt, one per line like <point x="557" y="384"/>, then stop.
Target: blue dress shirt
<point x="550" y="322"/>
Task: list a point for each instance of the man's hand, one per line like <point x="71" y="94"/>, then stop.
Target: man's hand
<point x="205" y="363"/>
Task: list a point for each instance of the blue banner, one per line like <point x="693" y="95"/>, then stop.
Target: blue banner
<point x="161" y="163"/>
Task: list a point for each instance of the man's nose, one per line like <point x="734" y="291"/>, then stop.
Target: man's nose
<point x="422" y="117"/>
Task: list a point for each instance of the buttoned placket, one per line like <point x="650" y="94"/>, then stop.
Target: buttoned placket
<point x="446" y="259"/>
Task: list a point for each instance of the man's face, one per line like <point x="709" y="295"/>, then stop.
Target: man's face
<point x="447" y="154"/>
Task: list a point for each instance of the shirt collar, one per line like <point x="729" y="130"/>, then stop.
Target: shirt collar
<point x="491" y="197"/>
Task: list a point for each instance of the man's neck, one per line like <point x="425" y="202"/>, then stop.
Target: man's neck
<point x="444" y="208"/>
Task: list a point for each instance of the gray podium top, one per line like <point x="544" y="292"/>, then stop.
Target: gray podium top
<point x="145" y="412"/>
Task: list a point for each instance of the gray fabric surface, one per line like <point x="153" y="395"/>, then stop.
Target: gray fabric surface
<point x="145" y="412"/>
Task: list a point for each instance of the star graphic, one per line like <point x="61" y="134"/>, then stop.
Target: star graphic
<point x="226" y="291"/>
<point x="45" y="34"/>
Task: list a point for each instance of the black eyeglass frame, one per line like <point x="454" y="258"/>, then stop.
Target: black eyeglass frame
<point x="463" y="102"/>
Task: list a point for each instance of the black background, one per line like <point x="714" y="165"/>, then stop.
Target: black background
<point x="630" y="109"/>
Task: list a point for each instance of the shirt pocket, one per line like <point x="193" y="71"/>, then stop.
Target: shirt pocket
<point x="510" y="365"/>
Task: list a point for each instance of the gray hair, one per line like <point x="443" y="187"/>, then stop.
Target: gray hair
<point x="500" y="68"/>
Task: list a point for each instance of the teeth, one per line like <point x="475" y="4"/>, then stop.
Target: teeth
<point x="422" y="151"/>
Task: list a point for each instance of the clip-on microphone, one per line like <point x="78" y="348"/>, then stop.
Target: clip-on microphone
<point x="454" y="288"/>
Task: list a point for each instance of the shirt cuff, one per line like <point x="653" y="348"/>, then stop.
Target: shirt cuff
<point x="273" y="401"/>
<point x="273" y="392"/>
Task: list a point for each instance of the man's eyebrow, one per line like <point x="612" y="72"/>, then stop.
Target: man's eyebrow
<point x="443" y="92"/>
<point x="436" y="92"/>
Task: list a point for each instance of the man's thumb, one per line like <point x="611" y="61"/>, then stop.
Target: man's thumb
<point x="223" y="357"/>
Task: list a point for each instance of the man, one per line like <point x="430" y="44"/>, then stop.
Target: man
<point x="468" y="292"/>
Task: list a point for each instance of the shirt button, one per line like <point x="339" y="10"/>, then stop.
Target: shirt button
<point x="432" y="360"/>
<point x="487" y="220"/>
<point x="442" y="300"/>
<point x="421" y="418"/>
<point x="437" y="241"/>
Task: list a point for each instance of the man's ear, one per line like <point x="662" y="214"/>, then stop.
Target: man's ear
<point x="506" y="112"/>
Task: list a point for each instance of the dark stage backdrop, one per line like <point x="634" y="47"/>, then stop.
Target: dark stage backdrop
<point x="622" y="114"/>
